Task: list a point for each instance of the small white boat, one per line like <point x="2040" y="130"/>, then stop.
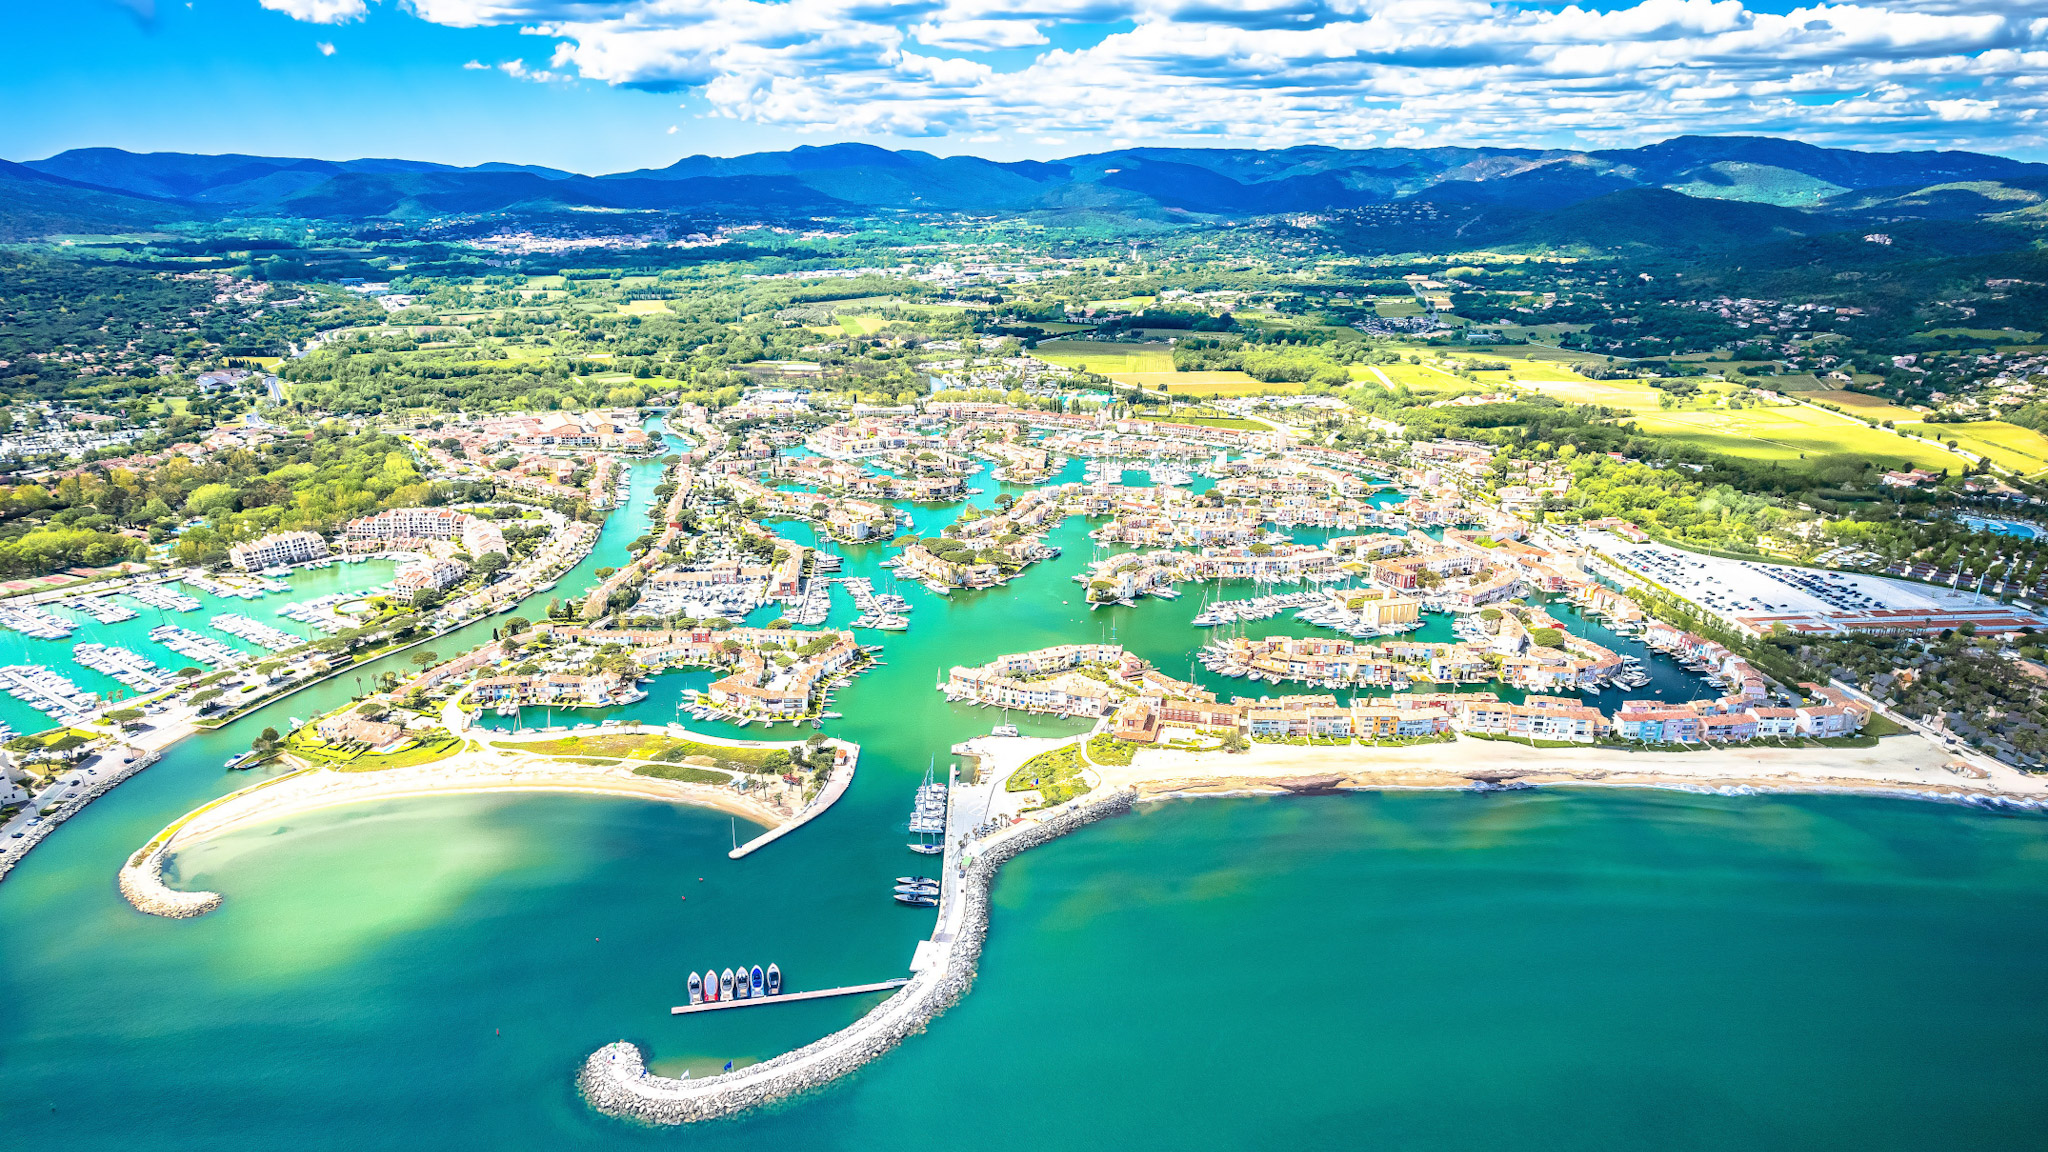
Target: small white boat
<point x="696" y="988"/>
<point x="774" y="980"/>
<point x="710" y="985"/>
<point x="739" y="983"/>
<point x="725" y="985"/>
<point x="1003" y="730"/>
<point x="757" y="982"/>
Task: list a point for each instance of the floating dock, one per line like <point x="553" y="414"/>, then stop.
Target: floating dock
<point x="820" y="994"/>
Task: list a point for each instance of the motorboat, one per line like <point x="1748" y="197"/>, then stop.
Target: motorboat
<point x="710" y="985"/>
<point x="774" y="980"/>
<point x="725" y="985"/>
<point x="915" y="880"/>
<point x="696" y="988"/>
<point x="916" y="901"/>
<point x="740" y="988"/>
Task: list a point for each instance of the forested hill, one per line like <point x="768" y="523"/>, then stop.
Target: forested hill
<point x="1491" y="189"/>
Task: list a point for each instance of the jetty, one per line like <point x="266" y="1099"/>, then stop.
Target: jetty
<point x="820" y="994"/>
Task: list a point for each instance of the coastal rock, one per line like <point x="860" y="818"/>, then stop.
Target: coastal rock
<point x="1327" y="783"/>
<point x="615" y="1080"/>
<point x="142" y="882"/>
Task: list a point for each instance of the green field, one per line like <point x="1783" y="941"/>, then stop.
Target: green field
<point x="2022" y="450"/>
<point x="1208" y="384"/>
<point x="1792" y="433"/>
<point x="645" y="308"/>
<point x="1106" y="358"/>
<point x="1393" y="306"/>
<point x="1863" y="404"/>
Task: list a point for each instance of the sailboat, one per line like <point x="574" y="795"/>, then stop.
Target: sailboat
<point x="928" y="815"/>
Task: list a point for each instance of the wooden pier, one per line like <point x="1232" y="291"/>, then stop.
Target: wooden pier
<point x="820" y="994"/>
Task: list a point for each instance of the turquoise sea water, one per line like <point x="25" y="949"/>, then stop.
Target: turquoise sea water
<point x="1581" y="970"/>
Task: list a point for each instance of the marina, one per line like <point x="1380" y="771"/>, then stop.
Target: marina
<point x="163" y="596"/>
<point x="204" y="649"/>
<point x="46" y="692"/>
<point x="256" y="632"/>
<point x="135" y="671"/>
<point x="789" y="997"/>
<point x="32" y="621"/>
<point x="104" y="609"/>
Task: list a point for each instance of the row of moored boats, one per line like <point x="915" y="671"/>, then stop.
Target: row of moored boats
<point x="743" y="983"/>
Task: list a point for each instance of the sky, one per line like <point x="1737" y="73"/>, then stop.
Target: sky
<point x="610" y="85"/>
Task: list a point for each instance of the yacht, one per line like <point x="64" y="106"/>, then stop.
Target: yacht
<point x="1003" y="730"/>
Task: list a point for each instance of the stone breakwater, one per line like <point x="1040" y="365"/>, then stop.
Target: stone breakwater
<point x="12" y="853"/>
<point x="142" y="882"/>
<point x="615" y="1079"/>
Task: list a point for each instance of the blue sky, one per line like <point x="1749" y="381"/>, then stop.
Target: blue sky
<point x="597" y="85"/>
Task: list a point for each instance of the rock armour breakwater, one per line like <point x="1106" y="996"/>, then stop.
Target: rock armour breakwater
<point x="616" y="1082"/>
<point x="142" y="882"/>
<point x="65" y="810"/>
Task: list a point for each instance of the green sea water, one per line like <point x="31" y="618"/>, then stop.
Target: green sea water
<point x="1551" y="969"/>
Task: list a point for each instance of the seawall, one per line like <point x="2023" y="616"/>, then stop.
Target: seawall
<point x="14" y="851"/>
<point x="616" y="1082"/>
<point x="142" y="882"/>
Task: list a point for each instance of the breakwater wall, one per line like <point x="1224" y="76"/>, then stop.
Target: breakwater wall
<point x="142" y="882"/>
<point x="12" y="853"/>
<point x="616" y="1082"/>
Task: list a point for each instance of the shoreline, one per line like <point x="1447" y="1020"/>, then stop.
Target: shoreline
<point x="469" y="773"/>
<point x="1905" y="765"/>
<point x="614" y="1079"/>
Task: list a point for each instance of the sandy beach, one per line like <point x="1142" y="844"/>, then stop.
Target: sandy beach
<point x="1905" y="765"/>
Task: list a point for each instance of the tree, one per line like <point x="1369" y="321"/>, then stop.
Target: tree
<point x="1547" y="638"/>
<point x="491" y="563"/>
<point x="425" y="658"/>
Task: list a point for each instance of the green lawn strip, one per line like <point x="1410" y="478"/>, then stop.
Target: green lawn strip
<point x="682" y="772"/>
<point x="425" y="753"/>
<point x="653" y="746"/>
<point x="1881" y="725"/>
<point x="1107" y="749"/>
<point x="1055" y="773"/>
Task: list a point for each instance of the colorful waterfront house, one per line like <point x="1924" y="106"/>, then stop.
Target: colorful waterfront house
<point x="1776" y="722"/>
<point x="1136" y="721"/>
<point x="1828" y="720"/>
<point x="1728" y="727"/>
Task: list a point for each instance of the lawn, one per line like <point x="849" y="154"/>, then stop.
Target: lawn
<point x="1106" y="358"/>
<point x="1396" y="306"/>
<point x="644" y="308"/>
<point x="2022" y="450"/>
<point x="1056" y="774"/>
<point x="1792" y="433"/>
<point x="649" y="746"/>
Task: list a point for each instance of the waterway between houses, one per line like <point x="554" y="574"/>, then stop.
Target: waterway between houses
<point x="1426" y="971"/>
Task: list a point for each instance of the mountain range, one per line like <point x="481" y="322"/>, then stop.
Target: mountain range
<point x="107" y="187"/>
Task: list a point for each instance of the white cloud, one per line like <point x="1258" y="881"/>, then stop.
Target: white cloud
<point x="319" y="11"/>
<point x="476" y="66"/>
<point x="979" y="35"/>
<point x="325" y="48"/>
<point x="672" y="129"/>
<point x="1912" y="72"/>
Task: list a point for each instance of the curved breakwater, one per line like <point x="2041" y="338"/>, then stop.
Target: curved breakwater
<point x="615" y="1079"/>
<point x="142" y="882"/>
